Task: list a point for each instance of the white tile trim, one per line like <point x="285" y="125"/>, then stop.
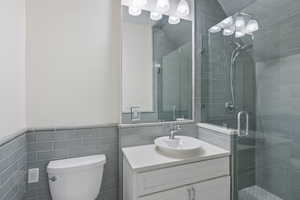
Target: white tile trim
<point x="220" y="129"/>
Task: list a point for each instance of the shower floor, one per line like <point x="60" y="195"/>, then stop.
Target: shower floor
<point x="256" y="193"/>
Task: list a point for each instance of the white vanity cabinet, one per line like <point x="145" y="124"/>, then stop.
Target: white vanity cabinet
<point x="156" y="177"/>
<point x="215" y="189"/>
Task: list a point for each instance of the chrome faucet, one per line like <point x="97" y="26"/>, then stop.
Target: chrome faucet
<point x="239" y="123"/>
<point x="174" y="129"/>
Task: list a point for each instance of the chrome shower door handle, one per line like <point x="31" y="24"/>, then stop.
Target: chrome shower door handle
<point x="239" y="123"/>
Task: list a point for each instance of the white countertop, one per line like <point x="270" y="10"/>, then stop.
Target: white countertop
<point x="146" y="157"/>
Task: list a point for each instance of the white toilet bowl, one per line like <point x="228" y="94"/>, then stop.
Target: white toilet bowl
<point x="76" y="178"/>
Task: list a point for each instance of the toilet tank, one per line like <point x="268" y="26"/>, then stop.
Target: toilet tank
<point x="76" y="178"/>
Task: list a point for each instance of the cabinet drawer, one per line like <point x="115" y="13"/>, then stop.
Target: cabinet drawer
<point x="167" y="178"/>
<point x="174" y="194"/>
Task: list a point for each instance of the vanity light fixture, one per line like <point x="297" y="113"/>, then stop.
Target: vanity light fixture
<point x="215" y="29"/>
<point x="229" y="31"/>
<point x="134" y="11"/>
<point x="174" y="19"/>
<point x="239" y="34"/>
<point x="163" y="6"/>
<point x="252" y="26"/>
<point x="227" y="22"/>
<point x="240" y="24"/>
<point x="139" y="3"/>
<point x="155" y="16"/>
<point x="183" y="8"/>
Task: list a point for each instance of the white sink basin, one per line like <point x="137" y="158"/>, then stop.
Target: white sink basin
<point x="180" y="146"/>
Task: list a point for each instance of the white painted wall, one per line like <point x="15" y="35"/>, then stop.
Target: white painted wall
<point x="73" y="61"/>
<point x="12" y="66"/>
<point x="137" y="66"/>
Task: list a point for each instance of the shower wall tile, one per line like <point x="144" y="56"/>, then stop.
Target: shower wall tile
<point x="278" y="89"/>
<point x="13" y="169"/>
<point x="44" y="146"/>
<point x="210" y="8"/>
<point x="219" y="139"/>
<point x="211" y="82"/>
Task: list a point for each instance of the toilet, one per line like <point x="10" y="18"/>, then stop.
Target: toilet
<point x="76" y="178"/>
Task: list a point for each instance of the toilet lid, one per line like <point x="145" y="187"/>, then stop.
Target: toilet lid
<point x="75" y="163"/>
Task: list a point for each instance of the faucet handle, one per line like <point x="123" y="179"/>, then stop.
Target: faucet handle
<point x="178" y="127"/>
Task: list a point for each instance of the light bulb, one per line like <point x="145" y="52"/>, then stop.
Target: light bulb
<point x="183" y="8"/>
<point x="227" y="22"/>
<point x="134" y="11"/>
<point x="239" y="34"/>
<point x="138" y="3"/>
<point x="229" y="30"/>
<point x="155" y="16"/>
<point x="215" y="29"/>
<point x="173" y="20"/>
<point x="252" y="26"/>
<point x="240" y="22"/>
<point x="163" y="5"/>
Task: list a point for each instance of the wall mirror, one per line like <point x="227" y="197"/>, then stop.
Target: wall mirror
<point x="157" y="60"/>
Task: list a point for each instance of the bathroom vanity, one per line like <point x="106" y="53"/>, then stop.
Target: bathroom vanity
<point x="150" y="175"/>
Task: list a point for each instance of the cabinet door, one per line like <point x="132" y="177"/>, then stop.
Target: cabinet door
<point x="178" y="176"/>
<point x="183" y="193"/>
<point x="216" y="189"/>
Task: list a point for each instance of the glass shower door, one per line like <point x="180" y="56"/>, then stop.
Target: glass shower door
<point x="243" y="166"/>
<point x="266" y="84"/>
<point x="267" y="162"/>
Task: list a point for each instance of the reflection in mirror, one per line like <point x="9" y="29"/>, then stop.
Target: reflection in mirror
<point x="157" y="62"/>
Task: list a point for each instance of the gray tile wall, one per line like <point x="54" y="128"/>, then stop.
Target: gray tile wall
<point x="213" y="137"/>
<point x="36" y="148"/>
<point x="207" y="14"/>
<point x="13" y="169"/>
<point x="213" y="52"/>
<point x="44" y="146"/>
<point x="278" y="157"/>
<point x="133" y="136"/>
